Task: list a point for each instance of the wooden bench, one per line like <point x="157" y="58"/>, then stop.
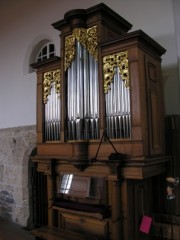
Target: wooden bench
<point x="52" y="233"/>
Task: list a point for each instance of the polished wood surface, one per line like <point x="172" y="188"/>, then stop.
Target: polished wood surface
<point x="129" y="181"/>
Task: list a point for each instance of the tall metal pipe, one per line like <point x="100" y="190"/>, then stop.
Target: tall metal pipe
<point x="52" y="116"/>
<point x="83" y="102"/>
<point x="118" y="108"/>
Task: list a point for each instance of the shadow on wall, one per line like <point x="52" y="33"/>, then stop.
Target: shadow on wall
<point x="171" y="90"/>
<point x="33" y="50"/>
<point x="30" y="222"/>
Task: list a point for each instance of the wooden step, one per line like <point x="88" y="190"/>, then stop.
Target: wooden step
<point x="52" y="233"/>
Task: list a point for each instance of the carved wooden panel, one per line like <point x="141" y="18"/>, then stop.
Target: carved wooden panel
<point x="155" y="107"/>
<point x="86" y="225"/>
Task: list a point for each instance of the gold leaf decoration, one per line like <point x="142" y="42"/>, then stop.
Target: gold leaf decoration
<point x="57" y="78"/>
<point x="119" y="60"/>
<point x="49" y="78"/>
<point x="92" y="41"/>
<point x="69" y="51"/>
<point x="87" y="37"/>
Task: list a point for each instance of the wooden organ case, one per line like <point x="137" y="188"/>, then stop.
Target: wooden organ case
<point x="100" y="127"/>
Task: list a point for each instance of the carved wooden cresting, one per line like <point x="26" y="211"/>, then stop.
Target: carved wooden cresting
<point x="100" y="119"/>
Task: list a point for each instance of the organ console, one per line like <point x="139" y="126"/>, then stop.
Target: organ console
<point x="106" y="85"/>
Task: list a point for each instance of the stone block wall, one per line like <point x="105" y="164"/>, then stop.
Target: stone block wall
<point x="16" y="145"/>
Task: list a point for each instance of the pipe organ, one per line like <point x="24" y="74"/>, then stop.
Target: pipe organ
<point x="100" y="127"/>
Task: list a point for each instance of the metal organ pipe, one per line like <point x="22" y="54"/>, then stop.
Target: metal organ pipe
<point x="86" y="94"/>
<point x="52" y="115"/>
<point x="83" y="92"/>
<point x="96" y="100"/>
<point x="118" y="118"/>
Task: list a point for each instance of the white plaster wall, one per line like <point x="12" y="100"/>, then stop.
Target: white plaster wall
<point x="23" y="23"/>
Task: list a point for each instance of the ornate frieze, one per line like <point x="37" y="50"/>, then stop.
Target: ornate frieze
<point x="49" y="78"/>
<point x="87" y="37"/>
<point x="119" y="60"/>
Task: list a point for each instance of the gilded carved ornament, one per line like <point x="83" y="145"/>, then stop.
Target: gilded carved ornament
<point x="87" y="37"/>
<point x="49" y="78"/>
<point x="119" y="60"/>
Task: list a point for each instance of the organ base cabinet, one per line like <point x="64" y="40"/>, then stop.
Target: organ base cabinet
<point x="100" y="128"/>
<point x="104" y="200"/>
